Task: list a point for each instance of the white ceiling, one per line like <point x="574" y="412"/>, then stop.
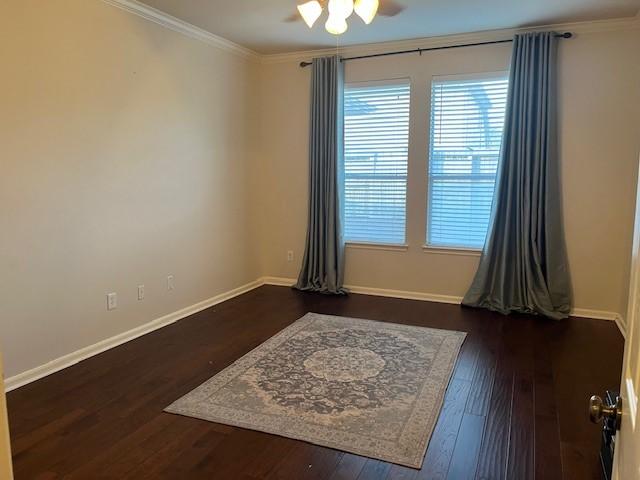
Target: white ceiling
<point x="260" y="24"/>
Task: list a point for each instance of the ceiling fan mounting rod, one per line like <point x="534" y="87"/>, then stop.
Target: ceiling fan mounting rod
<point x="444" y="47"/>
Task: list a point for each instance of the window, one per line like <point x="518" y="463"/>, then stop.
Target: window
<point x="376" y="140"/>
<point x="467" y="119"/>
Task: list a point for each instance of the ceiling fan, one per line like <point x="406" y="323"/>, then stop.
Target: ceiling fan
<point x="340" y="10"/>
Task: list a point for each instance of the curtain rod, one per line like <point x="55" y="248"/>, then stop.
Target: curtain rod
<point x="420" y="50"/>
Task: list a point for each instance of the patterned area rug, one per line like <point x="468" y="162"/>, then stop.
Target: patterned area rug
<point x="365" y="387"/>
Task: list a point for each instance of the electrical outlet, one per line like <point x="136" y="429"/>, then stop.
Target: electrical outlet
<point x="170" y="283"/>
<point x="140" y="292"/>
<point x="290" y="256"/>
<point x="112" y="301"/>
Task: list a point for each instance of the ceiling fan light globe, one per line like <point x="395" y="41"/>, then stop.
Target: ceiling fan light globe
<point x="341" y="8"/>
<point x="310" y="12"/>
<point x="366" y="9"/>
<point x="336" y="25"/>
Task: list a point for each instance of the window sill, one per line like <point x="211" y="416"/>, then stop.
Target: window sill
<point x="466" y="252"/>
<point x="391" y="247"/>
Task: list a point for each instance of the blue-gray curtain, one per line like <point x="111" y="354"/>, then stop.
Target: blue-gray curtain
<point x="523" y="267"/>
<point x="323" y="264"/>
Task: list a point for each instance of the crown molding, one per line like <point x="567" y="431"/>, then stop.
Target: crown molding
<point x="578" y="28"/>
<point x="168" y="21"/>
<point x="154" y="15"/>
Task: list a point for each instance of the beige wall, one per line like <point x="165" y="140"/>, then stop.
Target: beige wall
<point x="599" y="130"/>
<point x="123" y="160"/>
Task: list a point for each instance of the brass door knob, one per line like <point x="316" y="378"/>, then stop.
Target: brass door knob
<point x="598" y="410"/>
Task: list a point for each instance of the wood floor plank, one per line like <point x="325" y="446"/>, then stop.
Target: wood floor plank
<point x="443" y="440"/>
<point x="132" y="450"/>
<point x="307" y="462"/>
<point x="468" y="359"/>
<point x="548" y="459"/>
<point x="518" y="379"/>
<point x="465" y="455"/>
<point x="263" y="462"/>
<point x="521" y="461"/>
<point x="374" y="470"/>
<point x="349" y="467"/>
<point x="167" y="461"/>
<point x="483" y="376"/>
<point x="493" y="457"/>
<point x="398" y="472"/>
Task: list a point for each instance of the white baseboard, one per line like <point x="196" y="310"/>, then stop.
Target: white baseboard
<point x="602" y="315"/>
<point x="622" y="326"/>
<point x="436" y="297"/>
<point x="70" y="359"/>
<point x="407" y="295"/>
<point x="378" y="292"/>
<point x="279" y="281"/>
<point x="597" y="314"/>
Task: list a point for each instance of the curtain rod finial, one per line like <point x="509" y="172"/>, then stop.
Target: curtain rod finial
<point x="305" y="64"/>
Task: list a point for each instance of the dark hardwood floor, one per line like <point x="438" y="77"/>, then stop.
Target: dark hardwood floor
<point x="515" y="407"/>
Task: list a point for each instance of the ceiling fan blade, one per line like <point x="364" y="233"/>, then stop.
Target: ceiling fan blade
<point x="387" y="8"/>
<point x="294" y="17"/>
<point x="390" y="8"/>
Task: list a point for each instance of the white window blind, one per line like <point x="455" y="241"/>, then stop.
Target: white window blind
<point x="376" y="140"/>
<point x="467" y="120"/>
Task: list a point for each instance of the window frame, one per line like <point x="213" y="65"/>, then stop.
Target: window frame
<point x="378" y="245"/>
<point x="450" y="249"/>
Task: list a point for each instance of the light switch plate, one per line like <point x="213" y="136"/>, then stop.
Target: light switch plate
<point x="112" y="301"/>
